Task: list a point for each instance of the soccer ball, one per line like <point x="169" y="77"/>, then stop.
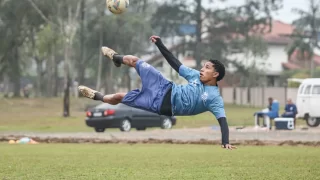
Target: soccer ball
<point x="117" y="6"/>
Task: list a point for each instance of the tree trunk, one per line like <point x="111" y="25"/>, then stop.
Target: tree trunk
<point x="98" y="86"/>
<point x="15" y="72"/>
<point x="66" y="97"/>
<point x="50" y="73"/>
<point x="6" y="83"/>
<point x="55" y="80"/>
<point x="311" y="68"/>
<point x="110" y="82"/>
<point x="128" y="79"/>
<point x="49" y="76"/>
<point x="38" y="62"/>
<point x="39" y="77"/>
<point x="81" y="66"/>
<point x="197" y="53"/>
<point x="81" y="73"/>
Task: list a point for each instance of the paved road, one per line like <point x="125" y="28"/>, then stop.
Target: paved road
<point x="178" y="135"/>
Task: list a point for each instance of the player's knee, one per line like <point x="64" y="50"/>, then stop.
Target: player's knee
<point x="119" y="96"/>
<point x="131" y="58"/>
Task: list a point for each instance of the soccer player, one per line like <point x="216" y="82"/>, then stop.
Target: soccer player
<point x="161" y="96"/>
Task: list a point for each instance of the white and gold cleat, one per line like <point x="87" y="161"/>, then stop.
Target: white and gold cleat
<point x="110" y="53"/>
<point x="87" y="92"/>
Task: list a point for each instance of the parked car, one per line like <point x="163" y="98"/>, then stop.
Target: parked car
<point x="308" y="101"/>
<point x="121" y="116"/>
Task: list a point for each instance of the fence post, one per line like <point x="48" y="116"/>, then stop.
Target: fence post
<point x="285" y="91"/>
<point x="263" y="98"/>
<point x="234" y="95"/>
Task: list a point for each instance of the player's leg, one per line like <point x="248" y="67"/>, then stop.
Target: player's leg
<point x="119" y="59"/>
<point x="148" y="74"/>
<point x="154" y="85"/>
<point x="128" y="60"/>
<point x="95" y="95"/>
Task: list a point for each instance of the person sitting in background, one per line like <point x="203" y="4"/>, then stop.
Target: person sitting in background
<point x="270" y="113"/>
<point x="290" y="110"/>
<point x="261" y="113"/>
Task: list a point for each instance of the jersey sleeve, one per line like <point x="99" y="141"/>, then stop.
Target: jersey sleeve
<point x="188" y="73"/>
<point x="216" y="107"/>
<point x="171" y="59"/>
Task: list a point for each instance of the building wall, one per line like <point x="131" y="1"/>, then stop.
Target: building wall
<point x="277" y="56"/>
<point x="271" y="64"/>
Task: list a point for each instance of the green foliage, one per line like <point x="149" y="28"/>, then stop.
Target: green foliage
<point x="170" y="15"/>
<point x="305" y="51"/>
<point x="299" y="75"/>
<point x="13" y="22"/>
<point x="287" y="74"/>
<point x="305" y="37"/>
<point x="127" y="34"/>
<point x="256" y="46"/>
<point x="41" y="34"/>
<point x="45" y="38"/>
<point x="316" y="73"/>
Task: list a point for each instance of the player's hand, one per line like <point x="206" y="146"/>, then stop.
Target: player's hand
<point x="154" y="38"/>
<point x="229" y="146"/>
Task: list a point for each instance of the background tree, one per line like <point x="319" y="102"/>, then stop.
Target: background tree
<point x="215" y="28"/>
<point x="306" y="36"/>
<point x="303" y="50"/>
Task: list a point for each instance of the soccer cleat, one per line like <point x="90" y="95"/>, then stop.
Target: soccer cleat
<point x="87" y="92"/>
<point x="110" y="53"/>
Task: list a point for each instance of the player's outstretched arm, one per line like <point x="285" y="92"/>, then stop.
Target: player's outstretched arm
<point x="173" y="61"/>
<point x="225" y="133"/>
<point x="216" y="107"/>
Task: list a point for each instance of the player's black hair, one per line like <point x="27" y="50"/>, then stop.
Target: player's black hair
<point x="219" y="67"/>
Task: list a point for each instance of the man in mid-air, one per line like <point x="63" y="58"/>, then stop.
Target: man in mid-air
<point x="161" y="96"/>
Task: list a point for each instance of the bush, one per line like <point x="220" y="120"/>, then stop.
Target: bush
<point x="299" y="75"/>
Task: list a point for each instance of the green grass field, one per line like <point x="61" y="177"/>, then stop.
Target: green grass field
<point x="115" y="161"/>
<point x="45" y="115"/>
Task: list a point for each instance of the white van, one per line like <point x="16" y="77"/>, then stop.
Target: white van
<point x="308" y="101"/>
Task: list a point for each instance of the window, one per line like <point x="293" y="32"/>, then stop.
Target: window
<point x="307" y="89"/>
<point x="301" y="89"/>
<point x="316" y="89"/>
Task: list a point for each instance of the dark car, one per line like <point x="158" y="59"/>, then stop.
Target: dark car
<point x="124" y="117"/>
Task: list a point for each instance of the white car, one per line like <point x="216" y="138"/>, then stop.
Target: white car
<point x="308" y="101"/>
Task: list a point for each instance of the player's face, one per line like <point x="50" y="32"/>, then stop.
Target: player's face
<point x="208" y="73"/>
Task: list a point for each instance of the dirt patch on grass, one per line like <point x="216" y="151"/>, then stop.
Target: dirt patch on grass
<point x="160" y="141"/>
